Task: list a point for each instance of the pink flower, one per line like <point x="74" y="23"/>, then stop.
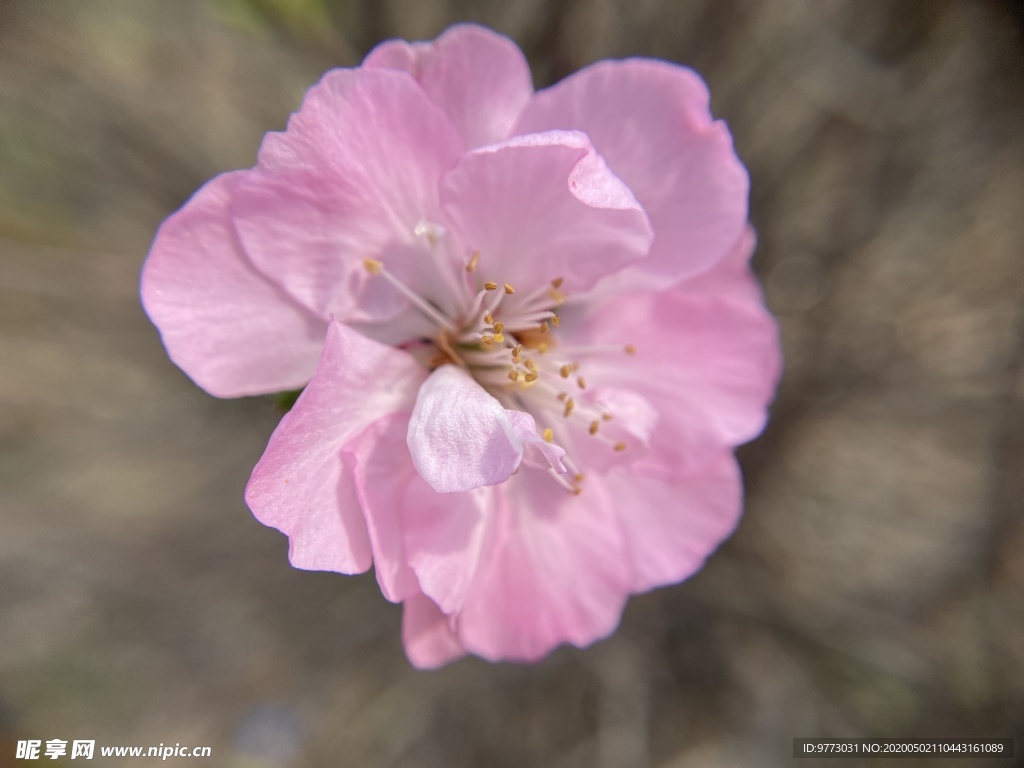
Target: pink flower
<point x="543" y="340"/>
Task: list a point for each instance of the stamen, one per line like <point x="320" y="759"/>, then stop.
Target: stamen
<point x="513" y="376"/>
<point x="579" y="477"/>
<point x="530" y="364"/>
<point x="569" y="405"/>
<point x="555" y="321"/>
<point x="473" y="261"/>
<point x="557" y="282"/>
<point x="489" y="286"/>
<point x="581" y="382"/>
<point x="509" y="289"/>
<point x="566" y="371"/>
<point x="376" y="267"/>
<point x="594" y="426"/>
<point x="516" y="350"/>
<point x="549" y="434"/>
<point x="544" y="327"/>
<point x="489" y="319"/>
<point x="488" y="340"/>
<point x="498" y="326"/>
<point x="532" y="377"/>
<point x="630" y="349"/>
<point x="556" y="296"/>
<point x="606" y="416"/>
<point x="500" y="338"/>
<point x="620" y="447"/>
<point x="562" y="396"/>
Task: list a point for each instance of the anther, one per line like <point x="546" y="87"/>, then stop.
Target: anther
<point x="556" y="296"/>
<point x="498" y="326"/>
<point x="488" y="340"/>
<point x="620" y="447"/>
<point x="606" y="416"/>
<point x="489" y="319"/>
<point x="566" y="371"/>
<point x="489" y="286"/>
<point x="516" y="350"/>
<point x="549" y="435"/>
<point x="594" y="426"/>
<point x="630" y="349"/>
<point x="531" y="377"/>
<point x="509" y="289"/>
<point x="557" y="282"/>
<point x="581" y="382"/>
<point x="562" y="396"/>
<point x="569" y="405"/>
<point x="555" y="321"/>
<point x="579" y="477"/>
<point x="373" y="266"/>
<point x="542" y="347"/>
<point x="531" y="365"/>
<point x="513" y="376"/>
<point x="544" y="327"/>
<point x="473" y="261"/>
<point x="500" y="338"/>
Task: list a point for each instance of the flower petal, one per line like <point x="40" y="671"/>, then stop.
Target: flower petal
<point x="353" y="177"/>
<point x="543" y="206"/>
<point x="706" y="356"/>
<point x="650" y="120"/>
<point x="233" y="331"/>
<point x="479" y="78"/>
<point x="428" y="639"/>
<point x="461" y="438"/>
<point x="671" y="527"/>
<point x="302" y="485"/>
<point x="554" y="570"/>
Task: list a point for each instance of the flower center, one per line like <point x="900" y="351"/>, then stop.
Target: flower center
<point x="508" y="342"/>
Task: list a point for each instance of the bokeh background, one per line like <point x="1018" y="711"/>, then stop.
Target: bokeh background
<point x="876" y="584"/>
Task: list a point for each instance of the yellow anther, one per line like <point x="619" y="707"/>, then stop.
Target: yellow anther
<point x="579" y="478"/>
<point x="594" y="426"/>
<point x="556" y="296"/>
<point x="569" y="405"/>
<point x="630" y="349"/>
<point x="549" y="435"/>
<point x="487" y="340"/>
<point x="606" y="416"/>
<point x="576" y="491"/>
<point x="498" y="326"/>
<point x="581" y="382"/>
<point x="489" y="286"/>
<point x="530" y="364"/>
<point x="516" y="350"/>
<point x="373" y="266"/>
<point x="500" y="338"/>
<point x="566" y="371"/>
<point x="556" y="321"/>
<point x="473" y="261"/>
<point x="489" y="319"/>
<point x="620" y="447"/>
<point x="515" y="359"/>
<point x="557" y="282"/>
<point x="576" y="366"/>
<point x="542" y="347"/>
<point x="531" y="376"/>
<point x="509" y="289"/>
<point x="544" y="327"/>
<point x="513" y="376"/>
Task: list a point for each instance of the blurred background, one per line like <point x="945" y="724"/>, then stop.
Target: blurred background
<point x="876" y="584"/>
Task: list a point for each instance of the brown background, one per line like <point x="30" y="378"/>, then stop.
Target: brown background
<point x="876" y="584"/>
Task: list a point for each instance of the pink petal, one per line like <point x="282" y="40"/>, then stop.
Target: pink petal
<point x="353" y="177"/>
<point x="671" y="527"/>
<point x="650" y="120"/>
<point x="553" y="570"/>
<point x="301" y="485"/>
<point x="412" y="525"/>
<point x="461" y="438"/>
<point x="709" y="364"/>
<point x="227" y="326"/>
<point x="382" y="471"/>
<point x="428" y="639"/>
<point x="543" y="206"/>
<point x="479" y="78"/>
